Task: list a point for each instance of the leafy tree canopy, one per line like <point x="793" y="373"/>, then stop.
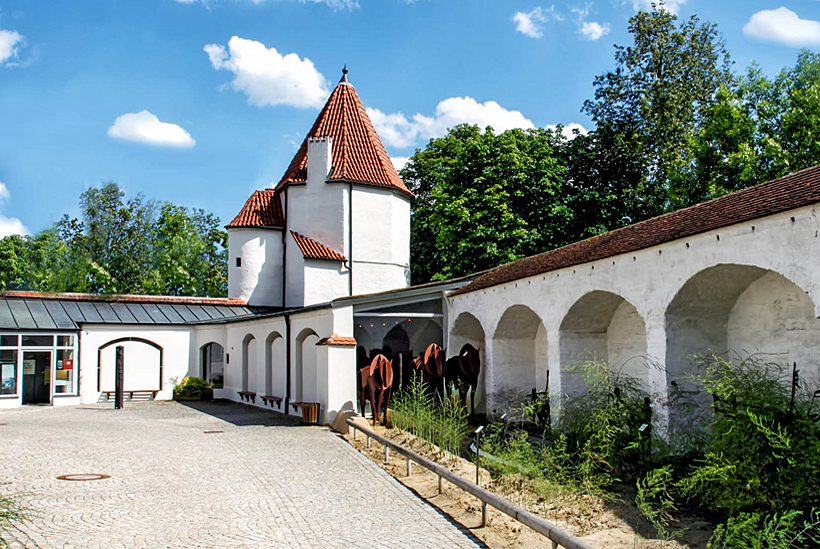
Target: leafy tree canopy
<point x="121" y="245"/>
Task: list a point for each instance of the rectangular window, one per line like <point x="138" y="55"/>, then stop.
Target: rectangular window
<point x="65" y="341"/>
<point x="238" y="261"/>
<point x="8" y="372"/>
<point x="9" y="340"/>
<point x="38" y="341"/>
<point x="64" y="375"/>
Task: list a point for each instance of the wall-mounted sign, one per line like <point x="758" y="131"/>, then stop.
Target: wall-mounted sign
<point x="28" y="367"/>
<point x="7" y="376"/>
<point x="68" y="364"/>
<point x="59" y="364"/>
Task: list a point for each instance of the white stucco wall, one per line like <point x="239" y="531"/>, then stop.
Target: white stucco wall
<point x="295" y="277"/>
<point x="324" y="281"/>
<point x="140" y="359"/>
<point x="259" y="278"/>
<point x="381" y="240"/>
<point x="650" y="279"/>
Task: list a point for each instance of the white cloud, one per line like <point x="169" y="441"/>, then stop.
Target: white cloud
<point x="783" y="26"/>
<point x="396" y="130"/>
<point x="10" y="41"/>
<point x="592" y="30"/>
<point x="399" y="162"/>
<point x="532" y="23"/>
<point x="144" y="127"/>
<point x="335" y="4"/>
<point x="672" y="6"/>
<point x="9" y="225"/>
<point x="567" y="131"/>
<point x="268" y="77"/>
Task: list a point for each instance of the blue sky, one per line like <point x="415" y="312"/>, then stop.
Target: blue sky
<point x="201" y="102"/>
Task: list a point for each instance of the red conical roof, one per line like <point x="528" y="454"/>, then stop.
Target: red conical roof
<point x="358" y="153"/>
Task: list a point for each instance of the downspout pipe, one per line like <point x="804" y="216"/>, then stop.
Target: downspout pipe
<point x="350" y="238"/>
<point x="288" y="368"/>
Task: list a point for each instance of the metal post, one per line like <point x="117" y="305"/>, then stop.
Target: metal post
<point x="439" y="484"/>
<point x="477" y="452"/>
<point x="119" y="377"/>
<point x="354" y="433"/>
<point x="554" y="544"/>
<point x="409" y="467"/>
<point x="368" y="442"/>
<point x="483" y="514"/>
<point x="386" y="453"/>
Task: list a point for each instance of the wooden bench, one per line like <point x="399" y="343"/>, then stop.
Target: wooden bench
<point x="248" y="396"/>
<point x="269" y="400"/>
<point x="148" y="394"/>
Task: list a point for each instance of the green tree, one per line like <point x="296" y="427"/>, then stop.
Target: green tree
<point x="656" y="98"/>
<point x="484" y="199"/>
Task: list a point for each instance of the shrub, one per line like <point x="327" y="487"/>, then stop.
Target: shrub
<point x="191" y="387"/>
<point x="764" y="449"/>
<point x="775" y="531"/>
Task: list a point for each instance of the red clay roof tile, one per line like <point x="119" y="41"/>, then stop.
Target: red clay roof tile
<point x="338" y="340"/>
<point x="786" y="193"/>
<point x="358" y="153"/>
<point x="263" y="209"/>
<point x="312" y="249"/>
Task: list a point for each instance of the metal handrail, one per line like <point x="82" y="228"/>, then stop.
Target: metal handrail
<point x="543" y="527"/>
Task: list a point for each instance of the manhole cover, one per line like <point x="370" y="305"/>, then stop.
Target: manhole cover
<point x="3" y="424"/>
<point x="212" y="432"/>
<point x="83" y="476"/>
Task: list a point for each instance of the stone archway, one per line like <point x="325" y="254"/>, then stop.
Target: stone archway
<point x="468" y="329"/>
<point x="274" y="354"/>
<point x="519" y="358"/>
<point x="305" y="381"/>
<point x="212" y="364"/>
<point x="602" y="326"/>
<point x="248" y="358"/>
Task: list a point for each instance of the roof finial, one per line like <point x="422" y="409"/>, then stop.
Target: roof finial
<point x="344" y="75"/>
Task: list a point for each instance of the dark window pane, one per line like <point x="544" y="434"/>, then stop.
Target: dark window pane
<point x="65" y="341"/>
<point x="8" y="340"/>
<point x="38" y="341"/>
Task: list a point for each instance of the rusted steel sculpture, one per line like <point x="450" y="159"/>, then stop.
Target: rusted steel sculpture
<point x="469" y="363"/>
<point x="376" y="384"/>
<point x="432" y="365"/>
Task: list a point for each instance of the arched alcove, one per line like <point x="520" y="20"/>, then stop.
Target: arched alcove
<point x="468" y="329"/>
<point x="212" y="364"/>
<point x="602" y="326"/>
<point x="274" y="364"/>
<point x="143" y="364"/>
<point x="248" y="359"/>
<point x="519" y="358"/>
<point x="736" y="311"/>
<point x="305" y="381"/>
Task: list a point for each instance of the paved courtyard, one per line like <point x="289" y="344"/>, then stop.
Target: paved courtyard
<point x="262" y="482"/>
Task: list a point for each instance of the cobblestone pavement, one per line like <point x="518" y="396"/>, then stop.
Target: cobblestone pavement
<point x="260" y="483"/>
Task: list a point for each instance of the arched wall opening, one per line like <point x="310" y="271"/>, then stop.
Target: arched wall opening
<point x="275" y="372"/>
<point x="519" y="359"/>
<point x="305" y="378"/>
<point x="736" y="311"/>
<point x="248" y="359"/>
<point x="467" y="329"/>
<point x="142" y="365"/>
<point x="212" y="364"/>
<point x="606" y="327"/>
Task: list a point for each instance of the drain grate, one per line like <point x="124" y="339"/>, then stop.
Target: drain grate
<point x="212" y="432"/>
<point x="83" y="476"/>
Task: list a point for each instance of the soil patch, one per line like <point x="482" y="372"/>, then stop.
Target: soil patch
<point x="604" y="524"/>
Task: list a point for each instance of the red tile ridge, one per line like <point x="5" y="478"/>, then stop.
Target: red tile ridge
<point x="312" y="249"/>
<point x="337" y="340"/>
<point x="263" y="210"/>
<point x="124" y="298"/>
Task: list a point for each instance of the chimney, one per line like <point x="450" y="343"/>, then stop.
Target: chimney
<point x="320" y="159"/>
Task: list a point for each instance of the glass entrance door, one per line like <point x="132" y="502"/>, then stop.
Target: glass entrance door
<point x="36" y="377"/>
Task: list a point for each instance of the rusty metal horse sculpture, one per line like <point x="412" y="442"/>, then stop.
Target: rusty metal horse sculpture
<point x="376" y="384"/>
<point x="432" y="364"/>
<point x="469" y="367"/>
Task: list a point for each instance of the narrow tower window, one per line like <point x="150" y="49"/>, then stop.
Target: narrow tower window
<point x="238" y="261"/>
